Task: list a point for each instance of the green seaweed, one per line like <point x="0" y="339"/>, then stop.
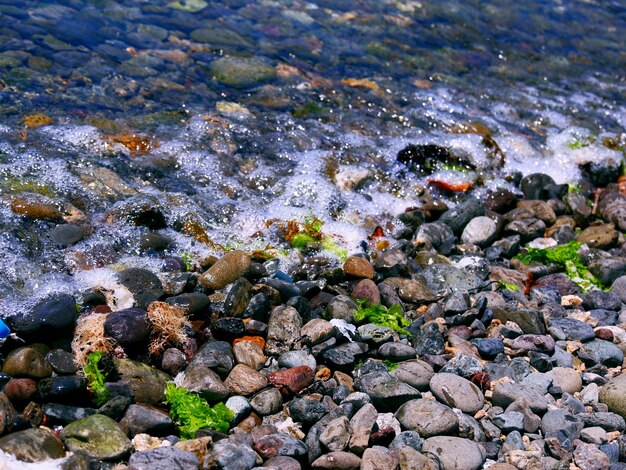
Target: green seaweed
<point x="567" y="258"/>
<point x="378" y="314"/>
<point x="192" y="412"/>
<point x="391" y="366"/>
<point x="508" y="285"/>
<point x="95" y="378"/>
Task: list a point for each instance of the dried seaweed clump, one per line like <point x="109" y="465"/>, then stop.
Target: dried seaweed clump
<point x="168" y="326"/>
<point x="89" y="337"/>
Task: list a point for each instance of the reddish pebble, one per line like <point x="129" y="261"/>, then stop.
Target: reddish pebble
<point x="605" y="334"/>
<point x="291" y="381"/>
<point x="20" y="390"/>
<point x="383" y="437"/>
<point x="255" y="339"/>
<point x="356" y="266"/>
<point x="366" y="289"/>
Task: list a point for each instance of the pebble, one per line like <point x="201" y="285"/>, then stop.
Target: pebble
<point x="128" y="326"/>
<point x="480" y="231"/>
<point x="386" y="391"/>
<point x="98" y="436"/>
<point x="358" y="267"/>
<point x="226" y="270"/>
<point x="32" y="445"/>
<point x="244" y="380"/>
<point x="455" y="453"/>
<point x="457" y="392"/>
<point x="337" y="461"/>
<point x="26" y="362"/>
<point x="163" y="457"/>
<point x="428" y="418"/>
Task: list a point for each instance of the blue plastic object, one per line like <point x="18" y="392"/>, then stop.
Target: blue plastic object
<point x="4" y="330"/>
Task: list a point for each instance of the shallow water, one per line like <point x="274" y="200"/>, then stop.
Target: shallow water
<point x="341" y="88"/>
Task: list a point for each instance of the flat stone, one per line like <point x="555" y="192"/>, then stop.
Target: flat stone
<point x="318" y="330"/>
<point x="506" y="393"/>
<point x="163" y="457"/>
<point x="337" y="461"/>
<point x="457" y="392"/>
<point x="455" y="453"/>
<point x="386" y="391"/>
<point x="140" y="419"/>
<point x="32" y="445"/>
<point x="98" y="436"/>
<point x="244" y="380"/>
<point x="568" y="380"/>
<point x="147" y="383"/>
<point x="428" y="418"/>
<point x="601" y="352"/>
<point x="378" y="457"/>
<point x="336" y="434"/>
<point x="411" y="290"/>
<point x="396" y="352"/>
<point x="571" y="329"/>
<point x="530" y="321"/>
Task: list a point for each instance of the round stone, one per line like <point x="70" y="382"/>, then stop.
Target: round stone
<point x="357" y="266"/>
<point x="479" y="231"/>
<point x="427" y="417"/>
<point x="457" y="392"/>
<point x="455" y="453"/>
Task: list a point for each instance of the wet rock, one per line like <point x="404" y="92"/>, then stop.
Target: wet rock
<point x="144" y="285"/>
<point x="62" y="362"/>
<point x="428" y="418"/>
<point x="163" y="457"/>
<point x="192" y="302"/>
<point x="228" y="329"/>
<point x="480" y="231"/>
<point x="26" y="362"/>
<point x="337" y="461"/>
<point x="367" y="290"/>
<point x="226" y="270"/>
<point x="527" y="229"/>
<point x="386" y="391"/>
<point x="146" y="383"/>
<point x="435" y="235"/>
<point x="612" y="207"/>
<point x="238" y="298"/>
<point x="98" y="436"/>
<point x="267" y="402"/>
<point x="535" y="185"/>
<point x="215" y="355"/>
<point x="359" y="267"/>
<point x="241" y="72"/>
<point x="457" y="392"/>
<point x="63" y="388"/>
<point x="141" y="419"/>
<point x="344" y="356"/>
<point x="603" y="236"/>
<point x="173" y="361"/>
<point x="20" y="390"/>
<point x="459" y="216"/>
<point x="455" y="453"/>
<point x="446" y="278"/>
<point x="128" y="327"/>
<point x="51" y="316"/>
<point x="284" y="328"/>
<point x="341" y="307"/>
<point x="67" y="234"/>
<point x="226" y="455"/>
<point x="410" y="290"/>
<point x="32" y="445"/>
<point x="64" y="414"/>
<point x="7" y="413"/>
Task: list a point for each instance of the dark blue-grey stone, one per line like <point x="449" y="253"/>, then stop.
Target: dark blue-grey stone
<point x="571" y="329"/>
<point x="601" y="352"/>
<point x="490" y="347"/>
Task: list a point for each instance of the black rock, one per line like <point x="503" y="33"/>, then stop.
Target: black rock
<point x="536" y="185"/>
<point x="143" y="284"/>
<point x="227" y="329"/>
<point x="598" y="299"/>
<point x="67" y="234"/>
<point x="64" y="414"/>
<point x="571" y="329"/>
<point x="194" y="302"/>
<point x="489" y="348"/>
<point x="51" y="316"/>
<point x="307" y="411"/>
<point x="238" y="298"/>
<point x="128" y="326"/>
<point x="460" y="215"/>
<point x="63" y="388"/>
<point x="62" y="362"/>
<point x="258" y="307"/>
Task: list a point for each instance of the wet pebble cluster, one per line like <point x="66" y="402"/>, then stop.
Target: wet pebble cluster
<point x="501" y="365"/>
